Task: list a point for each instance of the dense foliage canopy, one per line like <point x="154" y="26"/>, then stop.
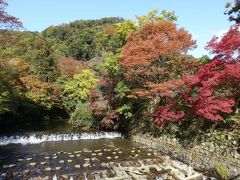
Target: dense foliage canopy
<point x="113" y="73"/>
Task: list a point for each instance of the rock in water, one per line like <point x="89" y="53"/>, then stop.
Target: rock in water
<point x="33" y="164"/>
<point x="77" y="166"/>
<point x="48" y="169"/>
<point x="58" y="168"/>
<point x="29" y="159"/>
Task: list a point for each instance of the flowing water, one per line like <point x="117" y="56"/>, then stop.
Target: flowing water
<point x="39" y="138"/>
<point x="99" y="155"/>
<point x="31" y="155"/>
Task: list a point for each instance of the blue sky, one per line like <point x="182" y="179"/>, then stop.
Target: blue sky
<point x="202" y="18"/>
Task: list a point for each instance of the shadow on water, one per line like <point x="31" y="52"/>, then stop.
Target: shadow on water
<point x="45" y="125"/>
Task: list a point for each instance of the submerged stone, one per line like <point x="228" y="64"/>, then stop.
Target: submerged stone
<point x="43" y="163"/>
<point x="5" y="166"/>
<point x="11" y="165"/>
<point x="61" y="161"/>
<point x="26" y="171"/>
<point x="33" y="164"/>
<point x="48" y="169"/>
<point x="69" y="160"/>
<point x="94" y="159"/>
<point x="64" y="176"/>
<point x="15" y="173"/>
<point x="87" y="151"/>
<point x="86" y="165"/>
<point x="77" y="166"/>
<point x="104" y="164"/>
<point x="58" y="168"/>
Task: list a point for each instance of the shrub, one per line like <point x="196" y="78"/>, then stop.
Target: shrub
<point x="82" y="116"/>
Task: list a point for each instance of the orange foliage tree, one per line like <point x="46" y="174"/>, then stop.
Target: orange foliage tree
<point x="45" y="94"/>
<point x="69" y="67"/>
<point x="155" y="57"/>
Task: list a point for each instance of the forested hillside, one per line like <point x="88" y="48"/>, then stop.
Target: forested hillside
<point x="119" y="74"/>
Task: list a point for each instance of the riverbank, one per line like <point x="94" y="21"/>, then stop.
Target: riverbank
<point x="202" y="157"/>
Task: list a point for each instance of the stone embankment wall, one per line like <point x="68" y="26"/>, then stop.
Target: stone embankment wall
<point x="203" y="156"/>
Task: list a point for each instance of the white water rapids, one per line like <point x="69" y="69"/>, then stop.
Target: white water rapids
<point x="36" y="139"/>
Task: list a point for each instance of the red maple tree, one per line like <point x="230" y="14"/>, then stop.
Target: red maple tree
<point x="227" y="48"/>
<point x="211" y="94"/>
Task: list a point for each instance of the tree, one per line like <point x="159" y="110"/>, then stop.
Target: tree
<point x="227" y="48"/>
<point x="45" y="94"/>
<point x="114" y="91"/>
<point x="42" y="58"/>
<point x="155" y="54"/>
<point x="124" y="29"/>
<point x="7" y="89"/>
<point x="82" y="116"/>
<point x="78" y="89"/>
<point x="69" y="67"/>
<point x="6" y="20"/>
<point x="153" y="17"/>
<point x="233" y="10"/>
<point x="210" y="94"/>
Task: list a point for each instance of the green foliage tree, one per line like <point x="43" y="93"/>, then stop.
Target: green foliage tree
<point x="233" y="10"/>
<point x="82" y="116"/>
<point x="124" y="28"/>
<point x="155" y="16"/>
<point x="111" y="65"/>
<point x="77" y="89"/>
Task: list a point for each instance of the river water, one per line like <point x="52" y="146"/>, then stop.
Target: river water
<point x="49" y="154"/>
<point x="54" y="155"/>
